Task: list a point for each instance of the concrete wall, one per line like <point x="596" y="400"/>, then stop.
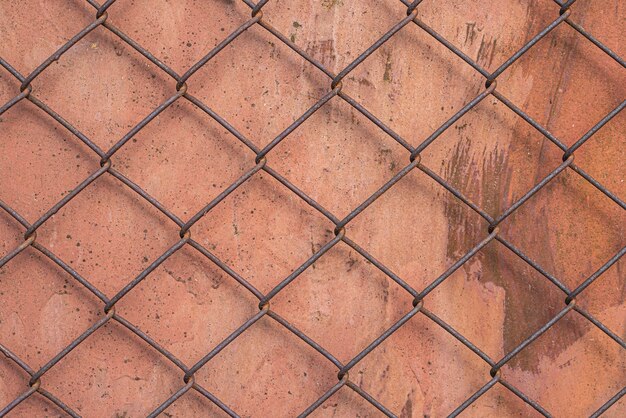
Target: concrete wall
<point x="338" y="157"/>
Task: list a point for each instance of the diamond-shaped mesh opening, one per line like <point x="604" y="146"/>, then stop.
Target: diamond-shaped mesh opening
<point x="253" y="387"/>
<point x="78" y="237"/>
<point x="139" y="372"/>
<point x="65" y="308"/>
<point x="117" y="101"/>
<point x="19" y="18"/>
<point x="489" y="172"/>
<point x="209" y="159"/>
<point x="397" y="371"/>
<point x="36" y="148"/>
<point x="499" y="288"/>
<point x="477" y="28"/>
<point x="347" y="147"/>
<point x="580" y="247"/>
<point x="262" y="219"/>
<point x="573" y="362"/>
<point x="199" y="27"/>
<point x="256" y="73"/>
<point x="434" y="71"/>
<point x="393" y="217"/>
<point x="188" y="288"/>
<point x="342" y="318"/>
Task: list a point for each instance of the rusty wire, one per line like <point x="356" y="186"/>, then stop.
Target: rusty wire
<point x="35" y="384"/>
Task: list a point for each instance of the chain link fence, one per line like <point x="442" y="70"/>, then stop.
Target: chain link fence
<point x="36" y="386"/>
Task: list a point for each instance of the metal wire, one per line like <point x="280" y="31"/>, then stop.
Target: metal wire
<point x="188" y="383"/>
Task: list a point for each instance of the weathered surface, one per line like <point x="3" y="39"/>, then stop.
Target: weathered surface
<point x="338" y="157"/>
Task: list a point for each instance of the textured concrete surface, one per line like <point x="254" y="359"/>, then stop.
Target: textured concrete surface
<point x="263" y="231"/>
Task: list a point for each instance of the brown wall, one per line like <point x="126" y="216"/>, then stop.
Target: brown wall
<point x="183" y="158"/>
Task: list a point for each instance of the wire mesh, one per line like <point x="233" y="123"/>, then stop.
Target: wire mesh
<point x="36" y="385"/>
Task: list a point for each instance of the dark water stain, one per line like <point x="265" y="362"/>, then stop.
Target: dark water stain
<point x="487" y="179"/>
<point x="407" y="409"/>
<point x="471" y="31"/>
<point x="530" y="300"/>
<point x="387" y="76"/>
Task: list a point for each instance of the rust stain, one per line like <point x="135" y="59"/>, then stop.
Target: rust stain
<point x="387" y="75"/>
<point x="491" y="177"/>
<point x="471" y="30"/>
